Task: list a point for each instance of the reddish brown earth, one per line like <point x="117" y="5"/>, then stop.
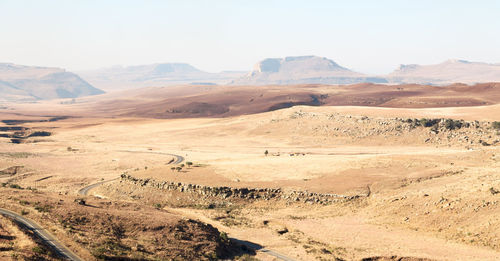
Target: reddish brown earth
<point x="226" y="101"/>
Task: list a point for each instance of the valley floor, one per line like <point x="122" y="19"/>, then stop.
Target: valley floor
<point x="405" y="189"/>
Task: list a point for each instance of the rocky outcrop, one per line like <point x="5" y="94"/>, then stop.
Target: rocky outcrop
<point x="241" y="193"/>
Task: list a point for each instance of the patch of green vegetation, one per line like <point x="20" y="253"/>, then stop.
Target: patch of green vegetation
<point x="496" y="125"/>
<point x="24" y="202"/>
<point x="42" y="208"/>
<point x="39" y="250"/>
<point x="428" y="122"/>
<point x="451" y="124"/>
<point x="15" y="186"/>
<point x="24" y="212"/>
<point x="224" y="237"/>
<point x="110" y="250"/>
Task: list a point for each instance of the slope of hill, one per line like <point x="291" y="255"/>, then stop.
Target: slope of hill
<point x="29" y="83"/>
<point x="447" y="72"/>
<point x="300" y="70"/>
<point x="154" y="75"/>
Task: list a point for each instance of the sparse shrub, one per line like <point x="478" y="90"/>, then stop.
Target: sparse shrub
<point x="172" y="168"/>
<point x="15" y="186"/>
<point x="496" y="125"/>
<point x="39" y="250"/>
<point x="178" y="169"/>
<point x="24" y="212"/>
<point x="189" y="163"/>
<point x="24" y="202"/>
<point x="42" y="208"/>
<point x="224" y="237"/>
<point x="157" y="205"/>
<point x="266" y="152"/>
<point x="428" y="122"/>
<point x="450" y="124"/>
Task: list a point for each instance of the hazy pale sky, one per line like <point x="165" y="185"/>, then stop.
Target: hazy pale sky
<point x="371" y="36"/>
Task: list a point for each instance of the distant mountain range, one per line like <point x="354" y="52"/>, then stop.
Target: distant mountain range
<point x="29" y="83"/>
<point x="451" y="71"/>
<point x="154" y="75"/>
<point x="319" y="70"/>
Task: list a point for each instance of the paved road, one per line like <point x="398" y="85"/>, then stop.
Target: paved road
<point x="42" y="234"/>
<point x="85" y="190"/>
<point x="178" y="158"/>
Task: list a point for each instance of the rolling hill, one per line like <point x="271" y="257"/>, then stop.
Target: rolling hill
<point x="154" y="75"/>
<point x="29" y="83"/>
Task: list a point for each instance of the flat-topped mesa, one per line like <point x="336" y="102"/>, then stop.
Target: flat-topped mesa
<point x="241" y="193"/>
<point x="302" y="69"/>
<point x="299" y="64"/>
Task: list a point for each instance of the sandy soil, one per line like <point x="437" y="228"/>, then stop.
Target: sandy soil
<point x="432" y="191"/>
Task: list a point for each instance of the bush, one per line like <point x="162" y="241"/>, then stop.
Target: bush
<point x="42" y="208"/>
<point x="39" y="250"/>
<point x="15" y="186"/>
<point x="452" y="124"/>
<point x="496" y="125"/>
<point x="429" y="122"/>
<point x="224" y="237"/>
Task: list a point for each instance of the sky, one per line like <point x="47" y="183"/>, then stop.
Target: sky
<point x="372" y="37"/>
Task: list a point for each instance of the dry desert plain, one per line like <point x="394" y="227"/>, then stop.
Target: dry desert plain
<point x="360" y="172"/>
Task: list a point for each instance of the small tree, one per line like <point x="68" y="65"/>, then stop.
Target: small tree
<point x="182" y="165"/>
<point x="189" y="164"/>
<point x="178" y="169"/>
<point x="266" y="152"/>
<point x="172" y="168"/>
